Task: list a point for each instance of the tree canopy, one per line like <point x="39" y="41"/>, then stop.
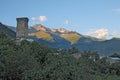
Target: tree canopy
<point x="33" y="61"/>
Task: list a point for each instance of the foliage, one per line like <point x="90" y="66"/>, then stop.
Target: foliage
<point x="33" y="61"/>
<point x="115" y="55"/>
<point x="73" y="50"/>
<point x="8" y="32"/>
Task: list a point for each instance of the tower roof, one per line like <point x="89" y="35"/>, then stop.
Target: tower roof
<point x="22" y="18"/>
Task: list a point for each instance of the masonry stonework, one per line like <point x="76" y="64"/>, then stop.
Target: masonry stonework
<point x="22" y="27"/>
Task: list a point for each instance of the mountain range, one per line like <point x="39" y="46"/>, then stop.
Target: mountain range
<point x="65" y="39"/>
<point x="7" y="30"/>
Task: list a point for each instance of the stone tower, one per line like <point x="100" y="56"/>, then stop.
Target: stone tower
<point x="22" y="27"/>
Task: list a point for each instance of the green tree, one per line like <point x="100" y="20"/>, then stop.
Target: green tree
<point x="73" y="50"/>
<point x="115" y="55"/>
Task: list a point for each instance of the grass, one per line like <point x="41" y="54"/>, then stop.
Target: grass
<point x="42" y="35"/>
<point x="72" y="37"/>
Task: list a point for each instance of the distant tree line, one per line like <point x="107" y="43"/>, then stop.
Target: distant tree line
<point x="33" y="61"/>
<point x="115" y="55"/>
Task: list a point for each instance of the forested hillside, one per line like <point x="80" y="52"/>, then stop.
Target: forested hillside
<point x="33" y="61"/>
<point x="9" y="33"/>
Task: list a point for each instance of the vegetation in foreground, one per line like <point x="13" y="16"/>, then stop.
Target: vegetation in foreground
<point x="31" y="61"/>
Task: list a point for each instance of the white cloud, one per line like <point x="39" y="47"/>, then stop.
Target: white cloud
<point x="42" y="18"/>
<point x="33" y="18"/>
<point x="100" y="33"/>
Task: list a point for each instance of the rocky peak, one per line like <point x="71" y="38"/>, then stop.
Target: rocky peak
<point x="62" y="30"/>
<point x="53" y="30"/>
<point x="39" y="27"/>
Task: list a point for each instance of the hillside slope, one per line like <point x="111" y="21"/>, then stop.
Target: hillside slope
<point x="64" y="39"/>
<point x="9" y="33"/>
<point x="107" y="47"/>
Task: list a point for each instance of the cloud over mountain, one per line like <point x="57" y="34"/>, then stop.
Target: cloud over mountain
<point x="33" y="18"/>
<point x="100" y="33"/>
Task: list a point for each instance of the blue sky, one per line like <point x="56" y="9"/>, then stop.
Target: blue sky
<point x="99" y="18"/>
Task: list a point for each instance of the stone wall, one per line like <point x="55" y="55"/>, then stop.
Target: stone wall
<point x="22" y="27"/>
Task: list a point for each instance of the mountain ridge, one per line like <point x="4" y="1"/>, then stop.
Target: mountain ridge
<point x="7" y="31"/>
<point x="65" y="39"/>
<point x="70" y="39"/>
<point x="70" y="36"/>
